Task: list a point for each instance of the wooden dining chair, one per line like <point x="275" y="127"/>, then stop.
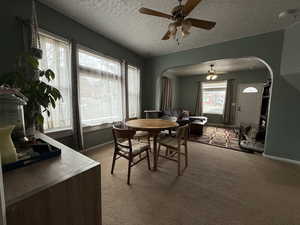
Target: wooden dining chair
<point x="127" y="147"/>
<point x="141" y="135"/>
<point x="174" y="146"/>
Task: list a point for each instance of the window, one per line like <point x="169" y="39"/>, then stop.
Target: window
<point x="250" y="90"/>
<point x="56" y="56"/>
<point x="100" y="84"/>
<point x="133" y="92"/>
<point x="213" y="97"/>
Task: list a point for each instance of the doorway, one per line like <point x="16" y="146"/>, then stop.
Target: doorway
<point x="249" y="100"/>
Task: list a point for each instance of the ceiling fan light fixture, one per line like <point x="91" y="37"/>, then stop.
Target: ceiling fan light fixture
<point x="178" y="14"/>
<point x="211" y="74"/>
<point x="186" y="27"/>
<point x="172" y="27"/>
<point x="173" y="30"/>
<point x="214" y="77"/>
<point x="185" y="33"/>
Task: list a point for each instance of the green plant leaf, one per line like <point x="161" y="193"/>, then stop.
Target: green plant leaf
<point x="49" y="73"/>
<point x="41" y="95"/>
<point x="32" y="61"/>
<point x="52" y="102"/>
<point x="39" y="119"/>
<point x="42" y="73"/>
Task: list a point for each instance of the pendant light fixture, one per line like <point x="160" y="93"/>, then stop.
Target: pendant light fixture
<point x="212" y="74"/>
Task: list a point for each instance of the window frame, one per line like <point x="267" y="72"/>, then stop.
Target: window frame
<point x="67" y="131"/>
<point x="250" y="90"/>
<point x="223" y="110"/>
<point x="140" y="90"/>
<point x="97" y="127"/>
<point x="74" y="48"/>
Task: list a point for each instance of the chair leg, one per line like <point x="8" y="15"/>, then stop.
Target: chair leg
<point x="186" y="155"/>
<point x="149" y="143"/>
<point x="148" y="160"/>
<point x="158" y="150"/>
<point x="178" y="158"/>
<point x="113" y="162"/>
<point x="129" y="170"/>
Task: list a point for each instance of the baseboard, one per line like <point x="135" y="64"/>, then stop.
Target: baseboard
<point x="97" y="146"/>
<point x="282" y="159"/>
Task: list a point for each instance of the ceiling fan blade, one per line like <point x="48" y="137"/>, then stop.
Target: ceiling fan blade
<point x="189" y="6"/>
<point x="204" y="24"/>
<point x="154" y="13"/>
<point x="167" y="36"/>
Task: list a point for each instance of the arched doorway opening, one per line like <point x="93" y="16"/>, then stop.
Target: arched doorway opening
<point x="238" y="98"/>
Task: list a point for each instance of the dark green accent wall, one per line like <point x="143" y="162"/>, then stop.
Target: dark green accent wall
<point x="53" y="21"/>
<point x="283" y="125"/>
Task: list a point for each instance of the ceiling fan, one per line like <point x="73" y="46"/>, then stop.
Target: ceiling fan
<point x="179" y="14"/>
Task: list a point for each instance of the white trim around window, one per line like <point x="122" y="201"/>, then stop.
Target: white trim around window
<point x="214" y="97"/>
<point x="57" y="57"/>
<point x="100" y="89"/>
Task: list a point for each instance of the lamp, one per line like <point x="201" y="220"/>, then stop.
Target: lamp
<point x="185" y="27"/>
<point x="172" y="29"/>
<point x="212" y="74"/>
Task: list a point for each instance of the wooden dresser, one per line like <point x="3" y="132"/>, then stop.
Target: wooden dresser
<point x="61" y="191"/>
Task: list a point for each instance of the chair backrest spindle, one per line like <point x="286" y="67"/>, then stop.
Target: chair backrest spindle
<point x="182" y="133"/>
<point x="122" y="134"/>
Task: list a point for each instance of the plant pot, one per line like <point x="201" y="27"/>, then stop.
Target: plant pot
<point x="7" y="148"/>
<point x="30" y="132"/>
<point x="37" y="53"/>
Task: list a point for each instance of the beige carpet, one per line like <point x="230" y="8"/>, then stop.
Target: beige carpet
<point x="218" y="188"/>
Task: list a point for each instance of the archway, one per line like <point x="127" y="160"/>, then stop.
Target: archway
<point x="236" y="66"/>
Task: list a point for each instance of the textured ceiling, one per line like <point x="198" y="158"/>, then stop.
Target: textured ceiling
<point x="120" y="21"/>
<point x="221" y="66"/>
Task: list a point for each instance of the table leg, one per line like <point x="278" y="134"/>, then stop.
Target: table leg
<point x="155" y="152"/>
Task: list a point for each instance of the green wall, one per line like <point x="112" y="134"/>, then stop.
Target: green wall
<point x="291" y="50"/>
<point x="52" y="21"/>
<point x="187" y="86"/>
<point x="283" y="125"/>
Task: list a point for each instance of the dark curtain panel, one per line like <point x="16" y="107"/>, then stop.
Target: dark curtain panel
<point x="124" y="72"/>
<point x="229" y="112"/>
<point x="198" y="108"/>
<point x="166" y="95"/>
<point x="77" y="129"/>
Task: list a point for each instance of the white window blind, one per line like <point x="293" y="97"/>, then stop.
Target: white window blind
<point x="57" y="57"/>
<point x="100" y="89"/>
<point x="133" y="92"/>
<point x="213" y="97"/>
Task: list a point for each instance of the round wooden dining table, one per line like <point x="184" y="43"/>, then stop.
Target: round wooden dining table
<point x="154" y="127"/>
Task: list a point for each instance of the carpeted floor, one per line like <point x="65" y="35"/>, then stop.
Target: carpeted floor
<point x="218" y="188"/>
<point x="219" y="136"/>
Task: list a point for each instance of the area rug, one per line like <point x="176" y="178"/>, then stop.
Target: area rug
<point x="221" y="137"/>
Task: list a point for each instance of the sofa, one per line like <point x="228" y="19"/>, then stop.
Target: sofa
<point x="176" y="115"/>
<point x="183" y="117"/>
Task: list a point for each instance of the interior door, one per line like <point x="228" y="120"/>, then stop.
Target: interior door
<point x="249" y="104"/>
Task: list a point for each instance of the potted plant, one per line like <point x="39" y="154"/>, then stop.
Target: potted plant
<point x="26" y="77"/>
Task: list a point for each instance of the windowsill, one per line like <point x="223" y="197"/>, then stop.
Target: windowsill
<point x="213" y="114"/>
<point x="89" y="129"/>
<point x="59" y="133"/>
<point x="69" y="132"/>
